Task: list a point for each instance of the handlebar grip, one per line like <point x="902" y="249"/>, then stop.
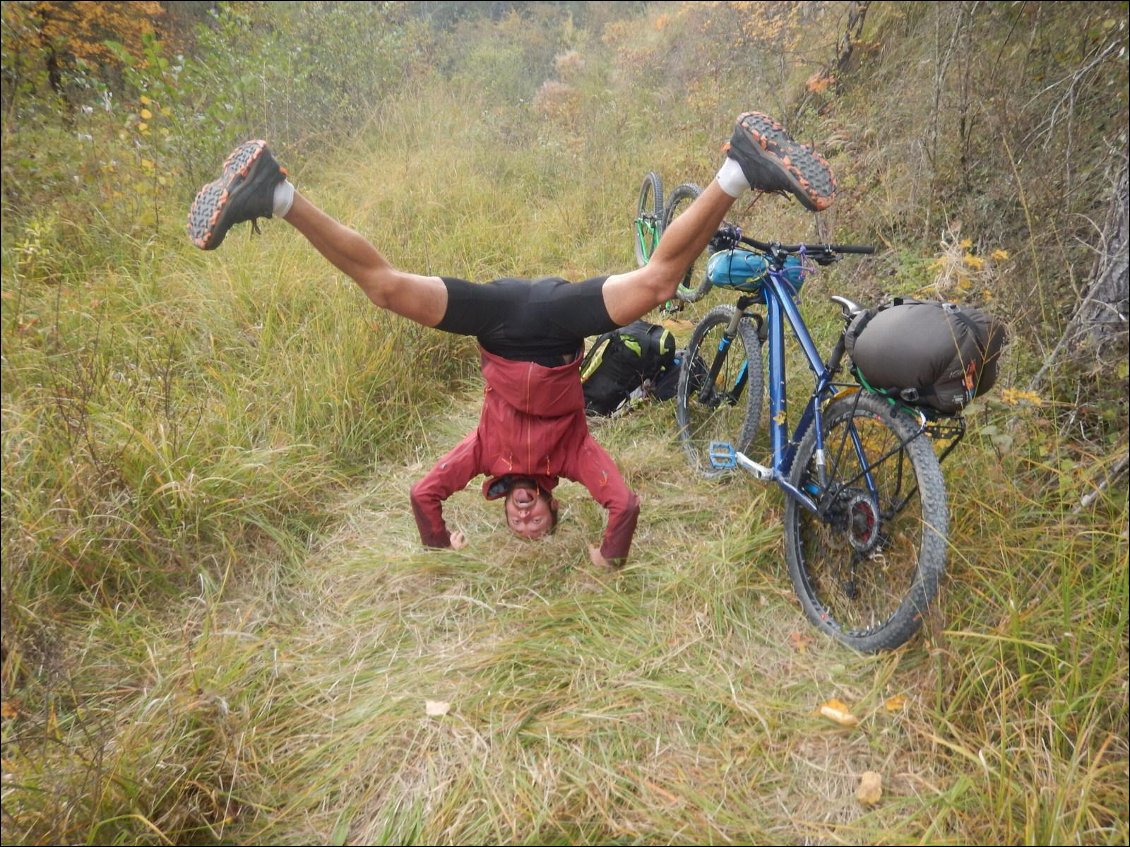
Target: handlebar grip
<point x="853" y="248"/>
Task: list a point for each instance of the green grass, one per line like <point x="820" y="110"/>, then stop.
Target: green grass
<point x="219" y="625"/>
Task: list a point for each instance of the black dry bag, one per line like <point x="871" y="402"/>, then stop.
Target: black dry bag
<point x="927" y="352"/>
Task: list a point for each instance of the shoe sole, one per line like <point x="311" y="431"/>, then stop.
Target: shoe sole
<point x="806" y="170"/>
<point x="206" y="214"/>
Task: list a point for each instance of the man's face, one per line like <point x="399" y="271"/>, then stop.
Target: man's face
<point x="527" y="512"/>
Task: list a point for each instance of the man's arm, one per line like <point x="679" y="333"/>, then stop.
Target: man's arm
<point x="450" y="474"/>
<point x="597" y="472"/>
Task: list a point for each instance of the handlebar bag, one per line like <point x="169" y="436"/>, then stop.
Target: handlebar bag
<point x="927" y="352"/>
<point x="744" y="270"/>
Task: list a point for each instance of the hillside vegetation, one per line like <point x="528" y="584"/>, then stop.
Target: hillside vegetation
<point x="219" y="625"/>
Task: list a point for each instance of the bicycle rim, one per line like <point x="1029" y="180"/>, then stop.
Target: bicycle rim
<point x="648" y="225"/>
<point x="726" y="410"/>
<point x="868" y="567"/>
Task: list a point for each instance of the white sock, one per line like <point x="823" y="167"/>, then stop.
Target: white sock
<point x="731" y="179"/>
<point x="284" y="197"/>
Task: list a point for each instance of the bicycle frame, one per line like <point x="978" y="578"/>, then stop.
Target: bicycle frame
<point x="648" y="230"/>
<point x="780" y="299"/>
<point x="781" y="307"/>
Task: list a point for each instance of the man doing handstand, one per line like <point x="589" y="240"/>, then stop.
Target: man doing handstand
<point x="532" y="430"/>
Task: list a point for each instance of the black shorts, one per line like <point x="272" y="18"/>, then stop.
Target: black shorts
<point x="544" y="320"/>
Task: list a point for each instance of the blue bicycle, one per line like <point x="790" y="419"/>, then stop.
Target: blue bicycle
<point x="865" y="504"/>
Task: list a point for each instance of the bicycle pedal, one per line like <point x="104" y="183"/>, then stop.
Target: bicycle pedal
<point x="722" y="455"/>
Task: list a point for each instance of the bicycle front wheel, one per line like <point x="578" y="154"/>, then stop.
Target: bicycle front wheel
<point x="695" y="285"/>
<point x="868" y="566"/>
<point x="648" y="225"/>
<point x="727" y="407"/>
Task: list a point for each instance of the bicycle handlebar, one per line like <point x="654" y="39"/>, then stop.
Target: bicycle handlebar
<point x="823" y="254"/>
<point x="771" y="248"/>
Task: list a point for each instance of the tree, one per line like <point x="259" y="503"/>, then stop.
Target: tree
<point x="65" y="36"/>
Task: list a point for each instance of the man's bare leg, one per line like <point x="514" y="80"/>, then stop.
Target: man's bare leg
<point x="631" y="295"/>
<point x="760" y="156"/>
<point x="419" y="298"/>
<point x="253" y="185"/>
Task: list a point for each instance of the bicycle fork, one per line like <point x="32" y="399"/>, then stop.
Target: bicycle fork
<point x="707" y="395"/>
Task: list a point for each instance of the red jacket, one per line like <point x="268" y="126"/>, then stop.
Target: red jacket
<point x="532" y="424"/>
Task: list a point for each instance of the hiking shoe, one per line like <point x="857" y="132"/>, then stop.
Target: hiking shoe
<point x="244" y="192"/>
<point x="772" y="161"/>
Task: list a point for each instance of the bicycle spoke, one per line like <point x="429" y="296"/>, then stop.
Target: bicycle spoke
<point x="867" y="566"/>
<point x="728" y="407"/>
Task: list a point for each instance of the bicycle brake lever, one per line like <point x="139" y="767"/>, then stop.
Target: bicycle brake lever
<point x="726" y="238"/>
<point x="824" y="257"/>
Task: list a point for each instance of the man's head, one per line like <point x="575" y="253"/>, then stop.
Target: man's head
<point x="530" y="512"/>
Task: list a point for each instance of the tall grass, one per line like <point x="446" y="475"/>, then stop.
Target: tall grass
<point x="219" y="625"/>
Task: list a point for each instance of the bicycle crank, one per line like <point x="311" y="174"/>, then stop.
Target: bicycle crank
<point x="723" y="456"/>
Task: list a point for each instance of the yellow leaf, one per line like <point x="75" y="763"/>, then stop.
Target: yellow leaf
<point x="836" y="711"/>
<point x="895" y="703"/>
<point x="799" y="641"/>
<point x="8" y="708"/>
<point x="870" y="789"/>
<point x="145" y="100"/>
<point x="146" y="114"/>
<point x="819" y="82"/>
<point x="1015" y="397"/>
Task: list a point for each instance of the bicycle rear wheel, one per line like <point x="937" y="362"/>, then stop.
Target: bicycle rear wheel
<point x="867" y="568"/>
<point x="695" y="284"/>
<point x="726" y="408"/>
<point x="648" y="225"/>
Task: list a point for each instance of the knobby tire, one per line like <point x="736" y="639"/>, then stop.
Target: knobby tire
<point x="867" y="572"/>
<point x="648" y="225"/>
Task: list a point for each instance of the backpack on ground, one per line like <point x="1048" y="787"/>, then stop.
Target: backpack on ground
<point x="630" y="359"/>
<point x="666" y="385"/>
<point x="926" y="352"/>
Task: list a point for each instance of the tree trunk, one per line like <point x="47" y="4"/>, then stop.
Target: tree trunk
<point x="1100" y="324"/>
<point x="857" y="13"/>
<point x="1097" y="332"/>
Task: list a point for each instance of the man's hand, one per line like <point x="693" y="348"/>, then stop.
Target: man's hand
<point x="458" y="541"/>
<point x="599" y="560"/>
